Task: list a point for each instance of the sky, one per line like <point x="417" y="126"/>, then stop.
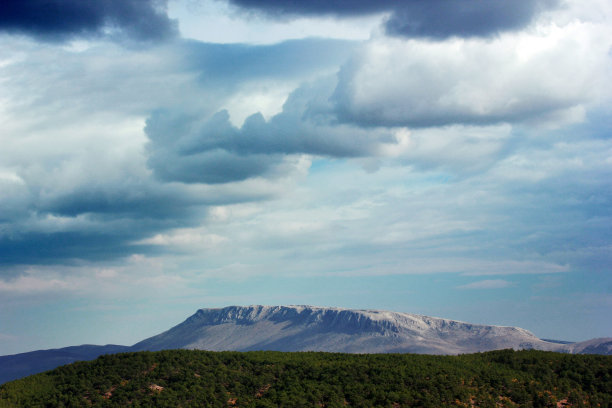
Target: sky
<point x="445" y="158"/>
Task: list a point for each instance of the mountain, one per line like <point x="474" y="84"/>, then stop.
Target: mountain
<point x="594" y="346"/>
<point x="302" y="328"/>
<point x="21" y="365"/>
<point x="308" y="328"/>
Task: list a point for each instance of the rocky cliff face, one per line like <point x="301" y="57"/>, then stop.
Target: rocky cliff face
<point x="302" y="328"/>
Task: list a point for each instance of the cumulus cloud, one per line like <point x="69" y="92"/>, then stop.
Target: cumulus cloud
<point x="99" y="187"/>
<point x="58" y="20"/>
<point x="212" y="150"/>
<point x="414" y="18"/>
<point x="452" y="150"/>
<point x="514" y="78"/>
<point x="73" y="167"/>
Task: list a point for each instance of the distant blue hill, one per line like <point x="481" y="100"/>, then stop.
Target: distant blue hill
<point x="21" y="365"/>
<point x="558" y="341"/>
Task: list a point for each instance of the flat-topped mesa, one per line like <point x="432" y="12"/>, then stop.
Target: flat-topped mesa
<point x="341" y="318"/>
<point x="324" y="318"/>
<point x="300" y="328"/>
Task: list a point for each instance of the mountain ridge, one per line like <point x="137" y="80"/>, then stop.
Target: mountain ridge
<point x="310" y="328"/>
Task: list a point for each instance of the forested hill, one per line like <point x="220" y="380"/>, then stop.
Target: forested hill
<point x="191" y="378"/>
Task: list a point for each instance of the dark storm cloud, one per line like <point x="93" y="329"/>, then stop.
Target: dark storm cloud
<point x="56" y="20"/>
<point x="465" y="18"/>
<point x="94" y="222"/>
<point x="419" y="18"/>
<point x="104" y="222"/>
<point x="63" y="247"/>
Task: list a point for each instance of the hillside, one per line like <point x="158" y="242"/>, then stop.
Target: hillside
<point x="593" y="346"/>
<point x="191" y="378"/>
<point x="309" y="328"/>
<point x="20" y="365"/>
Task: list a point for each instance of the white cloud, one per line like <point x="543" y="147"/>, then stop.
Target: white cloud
<point x="571" y="160"/>
<point x="195" y="239"/>
<point x="513" y="78"/>
<point x="515" y="268"/>
<point x="487" y="284"/>
<point x="458" y="149"/>
<point x="208" y="21"/>
<point x="136" y="276"/>
<point x="7" y="337"/>
<point x="28" y="284"/>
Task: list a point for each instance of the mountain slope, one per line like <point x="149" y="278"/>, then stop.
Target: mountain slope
<point x="302" y="328"/>
<point x="594" y="346"/>
<point x="20" y="365"/>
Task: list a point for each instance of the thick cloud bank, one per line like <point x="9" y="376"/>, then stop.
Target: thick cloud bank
<point x="212" y="150"/>
<point x="417" y="18"/>
<point x="513" y="78"/>
<point x="74" y="180"/>
<point x="62" y="19"/>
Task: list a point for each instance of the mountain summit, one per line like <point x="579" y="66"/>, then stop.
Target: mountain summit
<point x="306" y="328"/>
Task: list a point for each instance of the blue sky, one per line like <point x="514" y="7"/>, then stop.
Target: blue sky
<point x="445" y="158"/>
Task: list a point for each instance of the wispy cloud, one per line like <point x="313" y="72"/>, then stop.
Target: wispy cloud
<point x="7" y="337"/>
<point x="33" y="284"/>
<point x="487" y="284"/>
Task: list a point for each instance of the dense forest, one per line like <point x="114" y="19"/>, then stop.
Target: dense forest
<point x="189" y="378"/>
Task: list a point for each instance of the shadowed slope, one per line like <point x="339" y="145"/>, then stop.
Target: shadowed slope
<point x="20" y="365"/>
